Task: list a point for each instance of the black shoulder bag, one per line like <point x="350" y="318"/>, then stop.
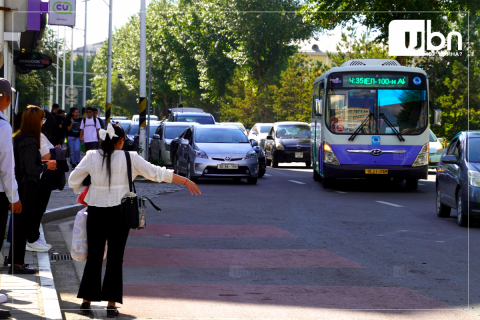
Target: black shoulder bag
<point x="134" y="207"/>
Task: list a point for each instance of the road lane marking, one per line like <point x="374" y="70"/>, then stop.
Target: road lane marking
<point x="296" y="182"/>
<point x="390" y="204"/>
<point x="268" y="175"/>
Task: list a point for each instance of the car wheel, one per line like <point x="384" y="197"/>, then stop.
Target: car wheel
<point x="261" y="173"/>
<point x="412" y="184"/>
<point x="274" y="163"/>
<point x="252" y="180"/>
<point x="308" y="164"/>
<point x="189" y="173"/>
<point x="398" y="180"/>
<point x="316" y="176"/>
<point x="462" y="218"/>
<point x="328" y="183"/>
<point x="443" y="211"/>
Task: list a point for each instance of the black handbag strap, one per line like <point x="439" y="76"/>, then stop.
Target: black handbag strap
<point x="130" y="182"/>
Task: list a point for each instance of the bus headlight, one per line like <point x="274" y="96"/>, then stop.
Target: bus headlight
<point x="329" y="156"/>
<point x="474" y="178"/>
<point x="422" y="157"/>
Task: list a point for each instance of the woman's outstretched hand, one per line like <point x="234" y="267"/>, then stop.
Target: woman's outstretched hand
<point x="192" y="187"/>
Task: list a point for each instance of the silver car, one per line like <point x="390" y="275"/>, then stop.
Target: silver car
<point x="212" y="151"/>
<point x="161" y="140"/>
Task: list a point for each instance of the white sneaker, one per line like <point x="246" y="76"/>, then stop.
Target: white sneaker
<point x="3" y="298"/>
<point x="35" y="247"/>
<point x="43" y="243"/>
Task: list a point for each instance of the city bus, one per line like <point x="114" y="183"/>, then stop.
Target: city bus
<point x="370" y="119"/>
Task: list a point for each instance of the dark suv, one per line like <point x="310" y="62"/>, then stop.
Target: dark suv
<point x="288" y="141"/>
<point x="458" y="178"/>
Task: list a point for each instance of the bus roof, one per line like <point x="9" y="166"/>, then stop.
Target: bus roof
<point x="369" y="65"/>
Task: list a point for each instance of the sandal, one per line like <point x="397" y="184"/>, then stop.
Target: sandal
<point x="85" y="308"/>
<point x="112" y="312"/>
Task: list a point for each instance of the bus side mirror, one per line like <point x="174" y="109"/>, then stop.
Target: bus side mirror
<point x="437" y="117"/>
<point x="269" y="137"/>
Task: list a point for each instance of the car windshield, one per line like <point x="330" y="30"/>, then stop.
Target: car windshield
<point x="171" y="132"/>
<point x="264" y="129"/>
<point x="197" y="119"/>
<point x="473" y="149"/>
<point x="432" y="137"/>
<point x="220" y="135"/>
<point x="293" y="131"/>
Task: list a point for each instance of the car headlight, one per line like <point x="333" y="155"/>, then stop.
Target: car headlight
<point x="422" y="157"/>
<point x="279" y="146"/>
<point x="200" y="154"/>
<point x="329" y="156"/>
<point x="251" y="154"/>
<point x="474" y="178"/>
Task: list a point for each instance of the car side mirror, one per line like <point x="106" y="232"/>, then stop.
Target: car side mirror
<point x="185" y="142"/>
<point x="253" y="142"/>
<point x="156" y="136"/>
<point x="451" y="159"/>
<point x="269" y="137"/>
<point x="437" y="117"/>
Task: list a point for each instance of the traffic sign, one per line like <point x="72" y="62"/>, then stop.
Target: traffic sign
<point x="71" y="91"/>
<point x="71" y="100"/>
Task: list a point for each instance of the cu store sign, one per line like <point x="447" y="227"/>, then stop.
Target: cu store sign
<point x="61" y="13"/>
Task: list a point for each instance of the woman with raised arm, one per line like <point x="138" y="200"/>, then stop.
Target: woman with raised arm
<point x="107" y="168"/>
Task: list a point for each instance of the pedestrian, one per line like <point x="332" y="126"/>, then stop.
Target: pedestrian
<point x="55" y="108"/>
<point x="28" y="167"/>
<point x="89" y="131"/>
<point x="60" y="118"/>
<point x="107" y="168"/>
<point x="9" y="198"/>
<point x="95" y="114"/>
<point x="74" y="137"/>
<point x="44" y="191"/>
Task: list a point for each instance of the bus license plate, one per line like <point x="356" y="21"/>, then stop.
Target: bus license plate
<point x="298" y="154"/>
<point x="227" y="166"/>
<point x="376" y="171"/>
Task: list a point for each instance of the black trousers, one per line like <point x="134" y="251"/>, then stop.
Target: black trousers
<point x="102" y="224"/>
<point x="21" y="222"/>
<point x="43" y="196"/>
<point x="4" y="207"/>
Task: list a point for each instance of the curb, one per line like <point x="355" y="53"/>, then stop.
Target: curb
<point x="62" y="212"/>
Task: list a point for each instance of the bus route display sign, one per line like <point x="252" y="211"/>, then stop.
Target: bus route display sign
<point x="400" y="80"/>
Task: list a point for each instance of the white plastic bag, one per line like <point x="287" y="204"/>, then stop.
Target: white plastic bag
<point x="79" y="250"/>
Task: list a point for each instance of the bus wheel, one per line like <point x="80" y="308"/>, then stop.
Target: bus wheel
<point x="316" y="176"/>
<point x="328" y="183"/>
<point x="412" y="184"/>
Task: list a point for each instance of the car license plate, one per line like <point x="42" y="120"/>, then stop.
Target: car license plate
<point x="376" y="171"/>
<point x="298" y="154"/>
<point x="227" y="166"/>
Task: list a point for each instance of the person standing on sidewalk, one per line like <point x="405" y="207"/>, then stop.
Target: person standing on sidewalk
<point x="28" y="168"/>
<point x="95" y="114"/>
<point x="89" y="131"/>
<point x="74" y="137"/>
<point x="9" y="199"/>
<point x="109" y="184"/>
<point x="60" y="118"/>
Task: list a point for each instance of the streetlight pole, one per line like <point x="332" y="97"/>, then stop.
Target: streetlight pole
<point x="143" y="80"/>
<point x="84" y="91"/>
<point x="108" y="104"/>
<point x="64" y="65"/>
<point x="71" y="71"/>
<point x="56" y="88"/>
<point x="149" y="98"/>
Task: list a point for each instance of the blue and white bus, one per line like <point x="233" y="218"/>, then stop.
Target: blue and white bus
<point x="370" y="119"/>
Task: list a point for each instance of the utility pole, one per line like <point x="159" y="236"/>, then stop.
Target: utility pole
<point x="143" y="80"/>
<point x="149" y="98"/>
<point x="64" y="65"/>
<point x="84" y="91"/>
<point x="108" y="104"/>
<point x="56" y="88"/>
<point x="71" y="70"/>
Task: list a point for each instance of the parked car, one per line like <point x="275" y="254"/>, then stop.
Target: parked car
<point x="435" y="150"/>
<point x="458" y="178"/>
<point x="124" y="123"/>
<point x="132" y="135"/>
<point x="161" y="140"/>
<point x="288" y="141"/>
<point x="262" y="167"/>
<point x="238" y="124"/>
<point x="192" y="117"/>
<point x="259" y="133"/>
<point x="136" y="118"/>
<point x="211" y="151"/>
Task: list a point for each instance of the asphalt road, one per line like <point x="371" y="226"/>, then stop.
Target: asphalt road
<point x="288" y="248"/>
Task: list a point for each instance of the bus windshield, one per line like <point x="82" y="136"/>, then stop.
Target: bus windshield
<point x="348" y="109"/>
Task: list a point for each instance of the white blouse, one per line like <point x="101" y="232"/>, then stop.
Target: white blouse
<point x="45" y="145"/>
<point x="100" y="194"/>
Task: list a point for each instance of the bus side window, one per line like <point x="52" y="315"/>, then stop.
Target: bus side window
<point x="319" y="100"/>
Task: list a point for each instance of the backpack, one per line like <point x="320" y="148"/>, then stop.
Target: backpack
<point x="84" y="120"/>
<point x="56" y="178"/>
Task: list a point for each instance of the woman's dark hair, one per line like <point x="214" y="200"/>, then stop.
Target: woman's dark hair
<point x="47" y="127"/>
<point x="32" y="122"/>
<point x="108" y="147"/>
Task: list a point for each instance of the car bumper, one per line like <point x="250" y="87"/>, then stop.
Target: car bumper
<point x="289" y="156"/>
<point x="358" y="171"/>
<point x="207" y="168"/>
